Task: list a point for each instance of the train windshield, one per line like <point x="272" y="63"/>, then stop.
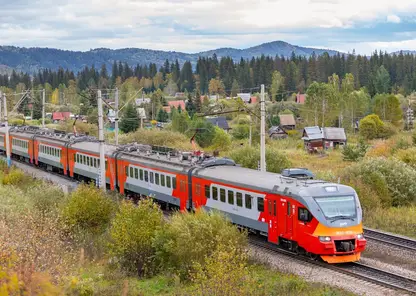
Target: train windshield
<point x="334" y="207"/>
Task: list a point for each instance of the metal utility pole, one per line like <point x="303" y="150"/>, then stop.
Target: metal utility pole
<point x="262" y="132"/>
<point x="116" y="119"/>
<point x="102" y="180"/>
<point x="1" y="114"/>
<point x="6" y="124"/>
<point x="43" y="108"/>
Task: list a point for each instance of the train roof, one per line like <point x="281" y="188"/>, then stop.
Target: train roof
<point x="269" y="182"/>
<point x="93" y="147"/>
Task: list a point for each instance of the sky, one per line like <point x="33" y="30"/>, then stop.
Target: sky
<point x="194" y="26"/>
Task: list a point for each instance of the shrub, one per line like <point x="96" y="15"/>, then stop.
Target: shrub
<point x="380" y="149"/>
<point x="371" y="127"/>
<point x="249" y="157"/>
<point x="354" y="153"/>
<point x="414" y="139"/>
<point x="46" y="198"/>
<point x="402" y="143"/>
<point x="190" y="238"/>
<point x="132" y="232"/>
<point x="13" y="177"/>
<point x="221" y="141"/>
<point x="408" y="156"/>
<point x="225" y="272"/>
<point x="88" y="209"/>
<point x="386" y="175"/>
<point x="241" y="131"/>
<point x="293" y="133"/>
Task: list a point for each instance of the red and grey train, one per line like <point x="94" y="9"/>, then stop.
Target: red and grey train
<point x="314" y="217"/>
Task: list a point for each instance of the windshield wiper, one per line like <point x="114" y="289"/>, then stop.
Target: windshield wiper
<point x="341" y="217"/>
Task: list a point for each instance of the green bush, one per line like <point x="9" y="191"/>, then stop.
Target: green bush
<point x="46" y="198"/>
<point x="249" y="157"/>
<point x="293" y="133"/>
<point x="414" y="139"/>
<point x="221" y="141"/>
<point x="132" y="232"/>
<point x="371" y="127"/>
<point x="88" y="209"/>
<point x="13" y="177"/>
<point x="354" y="153"/>
<point x="408" y="156"/>
<point x="241" y="131"/>
<point x="392" y="179"/>
<point x="190" y="238"/>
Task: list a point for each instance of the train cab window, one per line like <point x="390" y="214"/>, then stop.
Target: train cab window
<point x="207" y="191"/>
<point x="127" y="171"/>
<point x="214" y="193"/>
<point x="146" y="176"/>
<point x="260" y="204"/>
<point x="141" y="174"/>
<point x="239" y="199"/>
<point x="152" y="177"/>
<point x="304" y="215"/>
<point x="248" y="201"/>
<point x="157" y="179"/>
<point x="136" y="173"/>
<point x="162" y="180"/>
<point x="174" y="182"/>
<point x="182" y="186"/>
<point x="168" y="183"/>
<point x="230" y="197"/>
<point x="131" y="172"/>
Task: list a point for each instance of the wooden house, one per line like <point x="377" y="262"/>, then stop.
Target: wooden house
<point x="334" y="137"/>
<point x="277" y="132"/>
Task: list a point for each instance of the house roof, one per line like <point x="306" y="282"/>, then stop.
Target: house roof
<point x="334" y="133"/>
<point x="287" y="119"/>
<point x="177" y="103"/>
<point x="167" y="109"/>
<point x="61" y="115"/>
<point x="312" y="133"/>
<point x="300" y="98"/>
<point x="276" y="130"/>
<point x="220" y="122"/>
<point x="244" y="96"/>
<point x="253" y="100"/>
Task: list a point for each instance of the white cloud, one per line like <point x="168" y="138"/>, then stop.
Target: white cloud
<point x="182" y="24"/>
<point x="393" y="19"/>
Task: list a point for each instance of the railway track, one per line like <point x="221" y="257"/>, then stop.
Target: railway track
<point x="390" y="239"/>
<point x="357" y="270"/>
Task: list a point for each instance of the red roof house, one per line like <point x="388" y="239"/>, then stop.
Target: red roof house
<point x="253" y="100"/>
<point x="57" y="116"/>
<point x="176" y="104"/>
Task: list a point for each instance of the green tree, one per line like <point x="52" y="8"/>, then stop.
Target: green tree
<point x="277" y="86"/>
<point x="197" y="101"/>
<point x="162" y="116"/>
<point x="205" y="131"/>
<point x="190" y="106"/>
<point x="221" y="140"/>
<point x="131" y="234"/>
<point x="129" y="122"/>
<point x="235" y="88"/>
<point x="382" y="81"/>
<point x="388" y="107"/>
<point x="180" y="120"/>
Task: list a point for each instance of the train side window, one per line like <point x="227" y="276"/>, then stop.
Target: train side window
<point x="168" y="183"/>
<point x="182" y="185"/>
<point x="146" y="176"/>
<point x="260" y="204"/>
<point x="304" y="215"/>
<point x="88" y="161"/>
<point x="174" y="182"/>
<point x="248" y="201"/>
<point x="162" y="180"/>
<point x="239" y="199"/>
<point x="222" y="194"/>
<point x="131" y="172"/>
<point x="230" y="197"/>
<point x="136" y="173"/>
<point x="157" y="179"/>
<point x="214" y="193"/>
<point x="274" y="208"/>
<point x="83" y="160"/>
<point x="127" y="171"/>
<point x="152" y="177"/>
<point x="207" y="191"/>
<point x="141" y="174"/>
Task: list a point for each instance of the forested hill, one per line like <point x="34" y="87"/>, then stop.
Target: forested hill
<point x="30" y="60"/>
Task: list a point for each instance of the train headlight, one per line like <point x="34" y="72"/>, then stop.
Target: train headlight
<point x="324" y="238"/>
<point x="360" y="236"/>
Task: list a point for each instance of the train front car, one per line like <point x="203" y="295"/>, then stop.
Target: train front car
<point x="335" y="232"/>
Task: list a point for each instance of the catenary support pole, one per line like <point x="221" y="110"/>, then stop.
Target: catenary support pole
<point x="6" y="124"/>
<point x="262" y="132"/>
<point x="43" y="108"/>
<point x="116" y="119"/>
<point x="102" y="180"/>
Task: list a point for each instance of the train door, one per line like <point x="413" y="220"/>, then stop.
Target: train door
<point x="273" y="221"/>
<point x="289" y="220"/>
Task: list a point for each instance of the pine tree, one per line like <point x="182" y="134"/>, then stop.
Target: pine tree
<point x="235" y="88"/>
<point x="129" y="122"/>
<point x="197" y="101"/>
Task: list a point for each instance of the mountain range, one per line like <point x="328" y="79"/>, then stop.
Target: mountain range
<point x="31" y="60"/>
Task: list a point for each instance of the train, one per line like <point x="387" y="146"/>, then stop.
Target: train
<point x="311" y="217"/>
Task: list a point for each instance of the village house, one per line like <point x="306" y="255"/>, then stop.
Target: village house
<point x="287" y="121"/>
<point x="141" y="101"/>
<point x="334" y="137"/>
<point x="59" y="116"/>
<point x="300" y="98"/>
<point x="220" y="121"/>
<point x="312" y="137"/>
<point x="174" y="104"/>
<point x="277" y="132"/>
